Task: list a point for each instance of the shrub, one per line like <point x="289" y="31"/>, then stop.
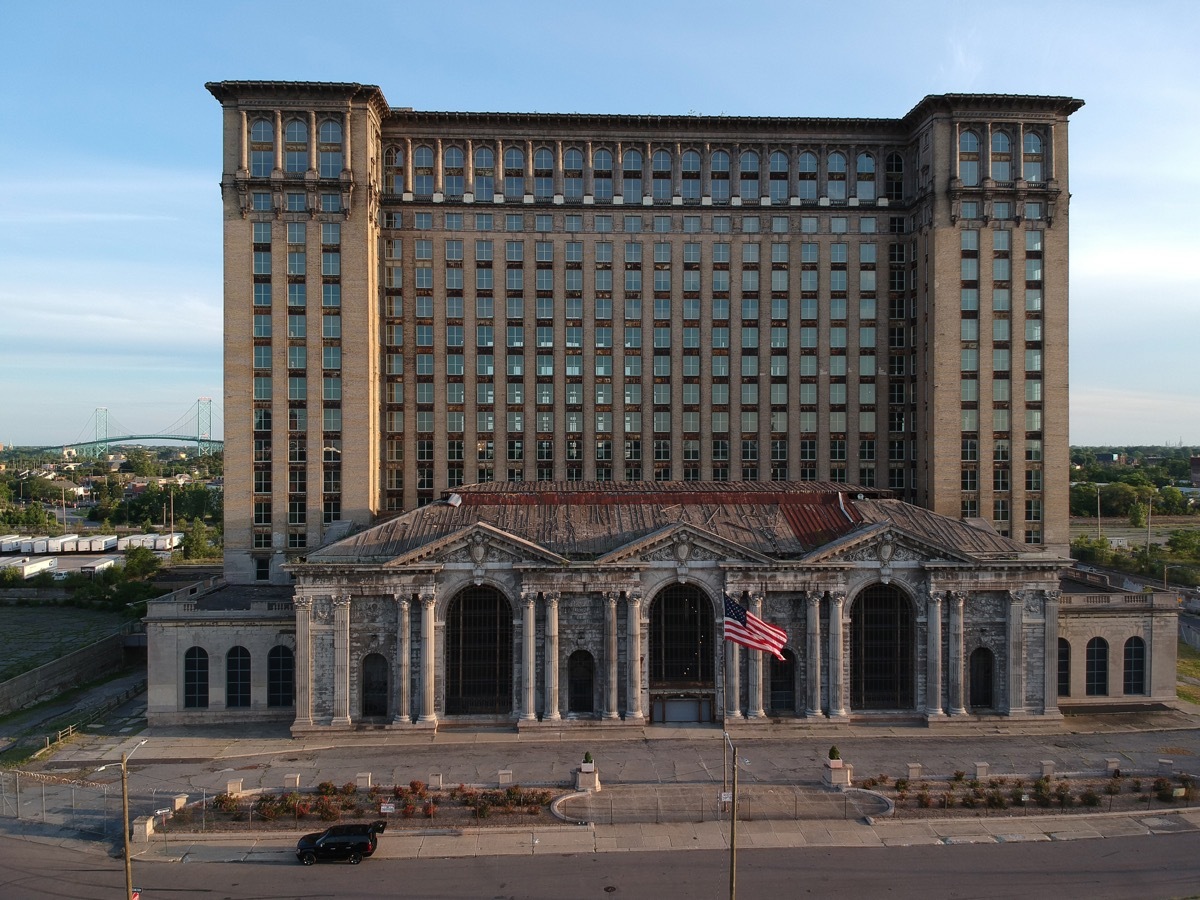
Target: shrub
<point x="1136" y="785"/>
<point x="924" y="800"/>
<point x="996" y="800"/>
<point x="1062" y="793"/>
<point x="1090" y="796"/>
<point x="960" y="775"/>
<point x="408" y="810"/>
<point x="429" y="809"/>
<point x="901" y="783"/>
<point x="398" y="792"/>
<point x="587" y="757"/>
<point x="349" y="789"/>
<point x="884" y="779"/>
<point x="482" y="810"/>
<point x="328" y="810"/>
<point x="226" y="803"/>
<point x="948" y="800"/>
<point x="969" y="801"/>
<point x="326" y="789"/>
<point x="533" y="809"/>
<point x="1112" y="787"/>
<point x="1016" y="794"/>
<point x="834" y="753"/>
<point x="869" y="783"/>
<point x="417" y="787"/>
<point x="183" y="816"/>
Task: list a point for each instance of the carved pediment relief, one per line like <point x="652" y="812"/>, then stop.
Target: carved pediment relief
<point x="682" y="545"/>
<point x="479" y="545"/>
<point x="886" y="546"/>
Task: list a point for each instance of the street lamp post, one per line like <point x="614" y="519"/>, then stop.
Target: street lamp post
<point x="1165" y="570"/>
<point x="125" y="815"/>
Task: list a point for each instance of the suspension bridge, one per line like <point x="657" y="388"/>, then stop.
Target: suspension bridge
<point x="102" y="431"/>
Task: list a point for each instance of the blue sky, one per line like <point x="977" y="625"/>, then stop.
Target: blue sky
<point x="110" y="222"/>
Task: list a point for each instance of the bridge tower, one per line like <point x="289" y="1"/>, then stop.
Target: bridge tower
<point x="204" y="426"/>
<point x="100" y="444"/>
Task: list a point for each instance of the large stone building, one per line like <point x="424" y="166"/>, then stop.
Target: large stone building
<point x="420" y="300"/>
<point x="546" y="603"/>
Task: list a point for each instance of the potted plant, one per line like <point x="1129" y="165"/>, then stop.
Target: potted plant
<point x="835" y="758"/>
<point x="589" y="764"/>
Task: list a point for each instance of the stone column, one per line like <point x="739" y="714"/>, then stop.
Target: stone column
<point x="244" y="149"/>
<point x="439" y="168"/>
<point x="529" y="648"/>
<point x="837" y="690"/>
<point x="633" y="643"/>
<point x="956" y="654"/>
<point x="1050" y="632"/>
<point x="279" y="141"/>
<point x="933" y="664"/>
<point x="1015" y="649"/>
<point x="341" y="660"/>
<point x="403" y="689"/>
<point x="812" y="674"/>
<point x="347" y="158"/>
<point x="408" y="165"/>
<point x="610" y="655"/>
<point x="754" y="704"/>
<point x="312" y="140"/>
<point x="303" y="606"/>
<point x="469" y="169"/>
<point x="733" y="681"/>
<point x="428" y="713"/>
<point x="550" y="658"/>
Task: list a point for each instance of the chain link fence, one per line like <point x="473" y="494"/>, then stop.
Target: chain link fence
<point x="62" y="802"/>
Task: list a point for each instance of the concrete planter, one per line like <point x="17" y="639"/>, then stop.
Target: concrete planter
<point x="837" y="773"/>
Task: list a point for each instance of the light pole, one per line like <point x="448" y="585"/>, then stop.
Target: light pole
<point x="125" y="814"/>
<point x="1165" y="569"/>
<point x="731" y="750"/>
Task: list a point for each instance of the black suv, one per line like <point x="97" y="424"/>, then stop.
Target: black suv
<point x="348" y="842"/>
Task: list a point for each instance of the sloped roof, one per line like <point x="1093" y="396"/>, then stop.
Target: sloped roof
<point x="586" y="520"/>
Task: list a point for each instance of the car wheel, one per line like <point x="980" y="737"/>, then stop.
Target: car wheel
<point x="308" y="858"/>
<point x="355" y="857"/>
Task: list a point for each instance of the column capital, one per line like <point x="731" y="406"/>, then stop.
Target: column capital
<point x="341" y="600"/>
<point x="934" y="599"/>
<point x="428" y="599"/>
<point x="611" y="597"/>
<point x="552" y="598"/>
<point x="402" y="600"/>
<point x="758" y="598"/>
<point x="959" y="597"/>
<point x="633" y="597"/>
<point x="529" y="598"/>
<point x="812" y="598"/>
<point x="838" y="597"/>
<point x="302" y="603"/>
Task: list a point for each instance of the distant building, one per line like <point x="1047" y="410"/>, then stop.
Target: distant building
<point x="1195" y="471"/>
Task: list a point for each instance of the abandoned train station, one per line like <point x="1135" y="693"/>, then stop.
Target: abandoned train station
<point x="539" y="604"/>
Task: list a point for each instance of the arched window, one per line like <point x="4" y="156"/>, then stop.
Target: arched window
<point x="1096" y="674"/>
<point x="1135" y="666"/>
<point x="331" y="132"/>
<point x="195" y="678"/>
<point x="631" y="175"/>
<point x="719" y="176"/>
<point x="777" y="185"/>
<point x="452" y="171"/>
<point x="748" y="173"/>
<point x="423" y="171"/>
<point x="237" y="678"/>
<point x="602" y="175"/>
<point x="295" y="146"/>
<point x="864" y="177"/>
<point x="660" y="163"/>
<point x="1064" y="667"/>
<point x="573" y="174"/>
<point x="514" y="172"/>
<point x="543" y="174"/>
<point x="485" y="174"/>
<point x="895" y="177"/>
<point x="1001" y="156"/>
<point x="478" y="653"/>
<point x="281" y="676"/>
<point x="393" y="171"/>
<point x="690" y="171"/>
<point x="968" y="158"/>
<point x="1033" y="157"/>
<point x="262" y="148"/>
<point x="836" y="189"/>
<point x="806" y="167"/>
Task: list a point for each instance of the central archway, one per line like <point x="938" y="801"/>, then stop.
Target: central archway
<point x="881" y="650"/>
<point x="374" y="686"/>
<point x="682" y="684"/>
<point x="479" y="653"/>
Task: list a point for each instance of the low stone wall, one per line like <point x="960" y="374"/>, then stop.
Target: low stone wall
<point x="78" y="667"/>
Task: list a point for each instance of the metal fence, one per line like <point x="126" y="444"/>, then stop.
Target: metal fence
<point x="61" y="802"/>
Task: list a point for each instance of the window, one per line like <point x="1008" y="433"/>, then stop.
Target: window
<point x="195" y="676"/>
<point x="1064" y="667"/>
<point x="1001" y="156"/>
<point x="1135" y="666"/>
<point x="1096" y="672"/>
<point x="865" y="177"/>
<point x="237" y="678"/>
<point x="661" y="166"/>
<point x="968" y="158"/>
<point x="1032" y="157"/>
<point x="748" y="172"/>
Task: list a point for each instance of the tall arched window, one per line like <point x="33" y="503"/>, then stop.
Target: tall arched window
<point x="1096" y="674"/>
<point x="806" y="167"/>
<point x="895" y="177"/>
<point x="1135" y="666"/>
<point x="514" y="172"/>
<point x="689" y="166"/>
<point x="1064" y="667"/>
<point x="485" y="174"/>
<point x="968" y="158"/>
<point x="195" y="678"/>
<point x="837" y="176"/>
<point x="237" y="678"/>
<point x="602" y="175"/>
<point x="631" y="175"/>
<point x="777" y="185"/>
<point x="329" y="149"/>
<point x="719" y="176"/>
<point x="865" y="177"/>
<point x="295" y="146"/>
<point x="543" y="174"/>
<point x="452" y="171"/>
<point x="423" y="171"/>
<point x="1001" y="156"/>
<point x="281" y="676"/>
<point x="262" y="148"/>
<point x="748" y="173"/>
<point x="661" y="166"/>
<point x="393" y="171"/>
<point x="1033" y="157"/>
<point x="573" y="174"/>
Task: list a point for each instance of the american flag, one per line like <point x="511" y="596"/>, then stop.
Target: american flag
<point x="745" y="628"/>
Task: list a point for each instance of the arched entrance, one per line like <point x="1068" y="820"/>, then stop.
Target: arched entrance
<point x="881" y="650"/>
<point x="479" y="653"/>
<point x="983" y="665"/>
<point x="581" y="683"/>
<point x="682" y="650"/>
<point x="374" y="686"/>
<point x="783" y="684"/>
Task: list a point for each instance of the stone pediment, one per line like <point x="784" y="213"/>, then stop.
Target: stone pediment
<point x="683" y="545"/>
<point x="886" y="545"/>
<point x="479" y="545"/>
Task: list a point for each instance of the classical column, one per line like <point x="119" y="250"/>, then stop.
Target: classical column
<point x="279" y="142"/>
<point x="733" y="681"/>
<point x="347" y="148"/>
<point x="633" y="643"/>
<point x="439" y="168"/>
<point x="428" y="714"/>
<point x="550" y="658"/>
<point x="312" y="140"/>
<point x="403" y="689"/>
<point x="244" y="156"/>
<point x="1015" y="634"/>
<point x="754" y="703"/>
<point x="341" y="660"/>
<point x="610" y="655"/>
<point x="1050" y="632"/>
<point x="408" y="165"/>
<point x="956" y="654"/>
<point x="303" y="607"/>
<point x="933" y="650"/>
<point x="528" y="664"/>
<point x="812" y="674"/>
<point x="837" y="691"/>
